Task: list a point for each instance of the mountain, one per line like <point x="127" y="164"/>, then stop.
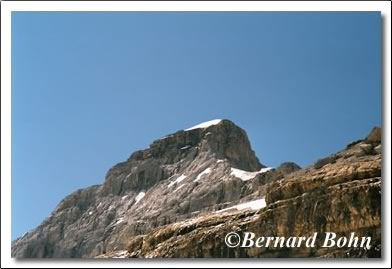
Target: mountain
<point x="182" y="194"/>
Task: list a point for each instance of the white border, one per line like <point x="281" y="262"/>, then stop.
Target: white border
<point x="196" y="6"/>
<point x="7" y="7"/>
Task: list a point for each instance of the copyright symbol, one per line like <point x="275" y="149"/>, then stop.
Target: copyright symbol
<point x="232" y="240"/>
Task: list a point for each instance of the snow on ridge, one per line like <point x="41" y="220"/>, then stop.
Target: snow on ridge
<point x="139" y="196"/>
<point x="204" y="124"/>
<point x="246" y="175"/>
<point x="178" y="180"/>
<point x="206" y="171"/>
<point x="253" y="205"/>
<point x="263" y="170"/>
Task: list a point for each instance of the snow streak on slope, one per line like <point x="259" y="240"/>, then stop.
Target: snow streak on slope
<point x="178" y="180"/>
<point x="254" y="205"/>
<point x="245" y="175"/>
<point x="207" y="171"/>
<point x="139" y="196"/>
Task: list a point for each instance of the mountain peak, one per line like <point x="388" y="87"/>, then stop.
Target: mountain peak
<point x="192" y="147"/>
<point x="205" y="173"/>
<point x="220" y="137"/>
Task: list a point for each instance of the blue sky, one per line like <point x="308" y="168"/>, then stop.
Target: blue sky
<point x="88" y="89"/>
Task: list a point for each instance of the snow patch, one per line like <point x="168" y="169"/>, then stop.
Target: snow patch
<point x="219" y="161"/>
<point x="253" y="205"/>
<point x="125" y="196"/>
<point x="90" y="213"/>
<point x="139" y="196"/>
<point x="245" y="175"/>
<point x="119" y="220"/>
<point x="179" y="187"/>
<point x="126" y="178"/>
<point x="206" y="171"/>
<point x="178" y="180"/>
<point x="187" y="146"/>
<point x="204" y="124"/>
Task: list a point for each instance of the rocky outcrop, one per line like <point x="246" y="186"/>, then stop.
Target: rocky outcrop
<point x="176" y="152"/>
<point x="177" y="177"/>
<point x="342" y="196"/>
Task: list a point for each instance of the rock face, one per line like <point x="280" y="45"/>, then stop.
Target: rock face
<point x="340" y="195"/>
<point x="186" y="191"/>
<point x="177" y="177"/>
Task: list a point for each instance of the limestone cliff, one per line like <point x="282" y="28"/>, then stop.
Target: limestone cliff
<point x="182" y="175"/>
<point x="180" y="197"/>
<point x="340" y="193"/>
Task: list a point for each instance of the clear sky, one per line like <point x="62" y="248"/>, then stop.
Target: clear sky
<point x="88" y="89"/>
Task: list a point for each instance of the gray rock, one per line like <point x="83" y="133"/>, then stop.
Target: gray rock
<point x="324" y="161"/>
<point x="374" y="135"/>
<point x="182" y="175"/>
<point x="378" y="149"/>
<point x="366" y="148"/>
<point x="187" y="176"/>
<point x="288" y="167"/>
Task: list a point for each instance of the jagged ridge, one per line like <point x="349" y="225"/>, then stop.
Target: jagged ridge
<point x="340" y="193"/>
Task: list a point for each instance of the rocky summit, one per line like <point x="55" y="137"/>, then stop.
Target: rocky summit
<point x="182" y="195"/>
